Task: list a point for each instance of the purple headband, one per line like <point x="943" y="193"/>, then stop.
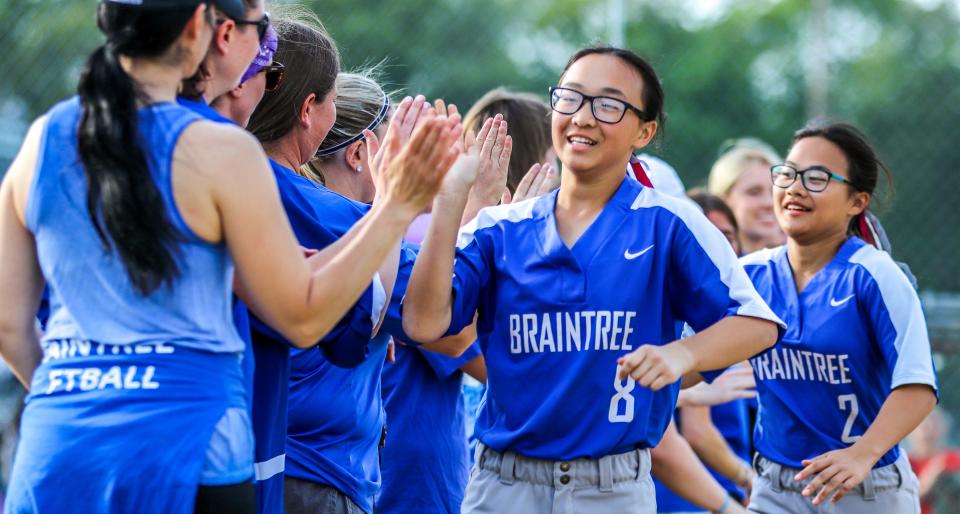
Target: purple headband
<point x="264" y="56"/>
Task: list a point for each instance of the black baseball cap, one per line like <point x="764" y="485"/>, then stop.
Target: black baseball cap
<point x="233" y="8"/>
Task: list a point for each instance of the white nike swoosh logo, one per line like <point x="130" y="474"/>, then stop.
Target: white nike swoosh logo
<point x="837" y="303"/>
<point x="631" y="256"/>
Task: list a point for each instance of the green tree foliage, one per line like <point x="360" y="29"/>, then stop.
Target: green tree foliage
<point x="45" y="44"/>
<point x="734" y="70"/>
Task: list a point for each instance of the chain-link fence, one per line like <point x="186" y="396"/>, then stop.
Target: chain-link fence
<point x="747" y="68"/>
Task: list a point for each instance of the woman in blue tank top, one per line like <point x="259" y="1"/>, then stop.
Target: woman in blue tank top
<point x="132" y="211"/>
<point x="331" y="456"/>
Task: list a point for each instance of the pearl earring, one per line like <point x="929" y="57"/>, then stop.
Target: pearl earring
<point x="359" y="169"/>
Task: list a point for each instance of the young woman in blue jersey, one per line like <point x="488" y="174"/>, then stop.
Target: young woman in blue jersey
<point x="420" y="389"/>
<point x="330" y="458"/>
<point x="853" y="375"/>
<point x="565" y="285"/>
<point x="291" y="122"/>
<point x="132" y="211"/>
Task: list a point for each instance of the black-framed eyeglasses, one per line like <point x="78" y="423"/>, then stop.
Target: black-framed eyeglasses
<point x="262" y="24"/>
<point x="814" y="179"/>
<point x="605" y="109"/>
<point x="274" y="75"/>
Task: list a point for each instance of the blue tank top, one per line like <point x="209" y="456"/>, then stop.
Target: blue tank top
<point x="91" y="297"/>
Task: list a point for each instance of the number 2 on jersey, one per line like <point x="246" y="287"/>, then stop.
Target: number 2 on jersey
<point x="851" y="400"/>
<point x="623" y="390"/>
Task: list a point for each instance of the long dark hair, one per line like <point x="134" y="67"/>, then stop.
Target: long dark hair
<point x="864" y="165"/>
<point x="123" y="200"/>
<point x="312" y="62"/>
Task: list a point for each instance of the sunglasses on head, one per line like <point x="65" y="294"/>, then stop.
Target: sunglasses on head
<point x="274" y="75"/>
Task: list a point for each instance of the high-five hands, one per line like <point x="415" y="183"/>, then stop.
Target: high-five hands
<point x="492" y="147"/>
<point x="400" y="131"/>
<point x="412" y="171"/>
<point x="539" y="180"/>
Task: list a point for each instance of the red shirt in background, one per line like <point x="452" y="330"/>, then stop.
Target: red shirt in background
<point x="950" y="466"/>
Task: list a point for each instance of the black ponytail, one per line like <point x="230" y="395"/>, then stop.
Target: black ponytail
<point x="123" y="200"/>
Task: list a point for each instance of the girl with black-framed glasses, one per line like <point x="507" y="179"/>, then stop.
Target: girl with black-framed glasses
<point x="578" y="296"/>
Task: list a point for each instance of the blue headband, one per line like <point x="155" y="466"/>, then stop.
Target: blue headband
<point x="372" y="126"/>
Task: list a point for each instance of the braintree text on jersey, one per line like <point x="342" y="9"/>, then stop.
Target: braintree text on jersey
<point x="571" y="331"/>
<point x="793" y="364"/>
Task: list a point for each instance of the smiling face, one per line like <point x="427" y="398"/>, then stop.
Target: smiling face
<point x="809" y="217"/>
<point x="751" y="199"/>
<point x="586" y="146"/>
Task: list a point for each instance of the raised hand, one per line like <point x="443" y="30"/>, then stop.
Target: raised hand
<point x="402" y="124"/>
<point x="493" y="148"/>
<point x="539" y="180"/>
<point x="735" y="383"/>
<point x="415" y="175"/>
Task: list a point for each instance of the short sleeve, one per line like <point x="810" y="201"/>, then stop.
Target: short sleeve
<point x="392" y="321"/>
<point x="707" y="283"/>
<point x="471" y="272"/>
<point x="346" y="343"/>
<point x="896" y="319"/>
<point x="445" y="366"/>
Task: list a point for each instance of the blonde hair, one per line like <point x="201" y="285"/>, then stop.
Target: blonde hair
<point x="359" y="101"/>
<point x="741" y="153"/>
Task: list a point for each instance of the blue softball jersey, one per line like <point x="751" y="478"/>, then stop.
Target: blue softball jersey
<point x="421" y="395"/>
<point x="855" y="333"/>
<point x="732" y="421"/>
<point x="554" y="320"/>
<point x="336" y="415"/>
<point x="318" y="217"/>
